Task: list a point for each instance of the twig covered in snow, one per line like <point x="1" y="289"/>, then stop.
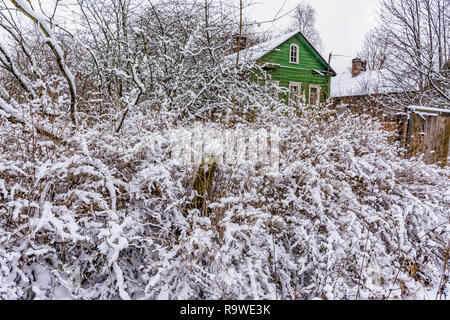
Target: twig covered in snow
<point x="50" y="39"/>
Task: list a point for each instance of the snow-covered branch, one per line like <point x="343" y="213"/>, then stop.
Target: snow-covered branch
<point x="53" y="43"/>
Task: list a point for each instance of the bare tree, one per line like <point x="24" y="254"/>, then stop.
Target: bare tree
<point x="376" y="50"/>
<point x="417" y="33"/>
<point x="304" y="20"/>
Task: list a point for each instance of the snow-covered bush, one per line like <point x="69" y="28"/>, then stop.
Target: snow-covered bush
<point x="103" y="210"/>
<point x="108" y="216"/>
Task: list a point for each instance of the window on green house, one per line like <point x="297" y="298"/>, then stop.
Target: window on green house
<point x="294" y="92"/>
<point x="293" y="53"/>
<point x="314" y="94"/>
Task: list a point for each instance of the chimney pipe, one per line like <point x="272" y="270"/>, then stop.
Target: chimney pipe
<point x="358" y="65"/>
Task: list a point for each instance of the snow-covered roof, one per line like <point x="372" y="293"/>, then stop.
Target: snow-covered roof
<point x="254" y="53"/>
<point x="429" y="111"/>
<point x="366" y="83"/>
<point x="258" y="51"/>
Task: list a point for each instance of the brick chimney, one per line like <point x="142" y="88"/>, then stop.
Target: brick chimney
<point x="358" y="65"/>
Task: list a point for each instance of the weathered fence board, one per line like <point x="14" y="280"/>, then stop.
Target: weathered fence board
<point x="429" y="134"/>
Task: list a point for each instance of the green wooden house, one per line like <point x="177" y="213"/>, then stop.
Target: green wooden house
<point x="293" y="63"/>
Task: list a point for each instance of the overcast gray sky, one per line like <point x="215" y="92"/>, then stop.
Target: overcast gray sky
<point x="342" y="24"/>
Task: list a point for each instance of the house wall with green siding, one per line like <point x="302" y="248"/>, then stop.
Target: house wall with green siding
<point x="280" y="69"/>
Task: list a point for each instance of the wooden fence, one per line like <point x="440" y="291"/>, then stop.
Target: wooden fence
<point x="428" y="133"/>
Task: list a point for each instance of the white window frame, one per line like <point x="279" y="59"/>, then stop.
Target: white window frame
<point x="299" y="91"/>
<point x="317" y="102"/>
<point x="293" y="45"/>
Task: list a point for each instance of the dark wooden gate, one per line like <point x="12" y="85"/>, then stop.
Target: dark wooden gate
<point x="428" y="133"/>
